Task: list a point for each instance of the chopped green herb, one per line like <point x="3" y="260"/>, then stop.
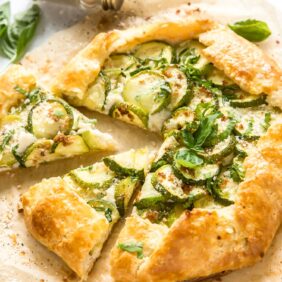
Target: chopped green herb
<point x="108" y="214"/>
<point x="136" y="247"/>
<point x="4" y="17"/>
<point x="252" y="30"/>
<point x="187" y="158"/>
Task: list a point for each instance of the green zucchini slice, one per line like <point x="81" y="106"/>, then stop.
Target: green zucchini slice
<point x="190" y="53"/>
<point x="50" y="117"/>
<point x="245" y="101"/>
<point x="97" y="93"/>
<point x="180" y="93"/>
<point x="70" y="145"/>
<point x="220" y="150"/>
<point x="38" y="152"/>
<point x="7" y="158"/>
<point x="130" y="114"/>
<point x="195" y="176"/>
<point x="168" y="184"/>
<point x="123" y="193"/>
<point x="252" y="124"/>
<point x="130" y="163"/>
<point x="122" y="62"/>
<point x="147" y="90"/>
<point x="154" y="51"/>
<point x="180" y="118"/>
<point x="97" y="176"/>
<point x="149" y="197"/>
<point x="165" y="153"/>
<point x="202" y="95"/>
<point x="109" y="209"/>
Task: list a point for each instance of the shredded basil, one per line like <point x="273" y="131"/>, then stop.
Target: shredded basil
<point x="136" y="247"/>
<point x="188" y="159"/>
<point x="252" y="30"/>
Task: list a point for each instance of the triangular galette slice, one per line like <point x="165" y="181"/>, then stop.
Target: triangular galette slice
<point x="36" y="127"/>
<point x="73" y="215"/>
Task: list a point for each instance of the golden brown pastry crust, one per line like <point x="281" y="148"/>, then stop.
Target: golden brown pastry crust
<point x="205" y="242"/>
<point x="82" y="70"/>
<point x="15" y="75"/>
<point x="241" y="60"/>
<point x="58" y="218"/>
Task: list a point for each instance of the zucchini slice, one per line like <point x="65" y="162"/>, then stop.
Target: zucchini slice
<point x="165" y="153"/>
<point x="149" y="197"/>
<point x="224" y="189"/>
<point x="70" y="145"/>
<point x="220" y="150"/>
<point x="7" y="158"/>
<point x="93" y="140"/>
<point x="147" y="90"/>
<point x="97" y="93"/>
<point x="120" y="61"/>
<point x="154" y="51"/>
<point x="38" y="152"/>
<point x="180" y="94"/>
<point x="219" y="78"/>
<point x="109" y="209"/>
<point x="47" y="118"/>
<point x="123" y="192"/>
<point x="130" y="114"/>
<point x="195" y="176"/>
<point x="130" y="163"/>
<point x="245" y="101"/>
<point x="252" y="124"/>
<point x="180" y="118"/>
<point x="97" y="176"/>
<point x="190" y="53"/>
<point x="201" y="95"/>
<point x="168" y="184"/>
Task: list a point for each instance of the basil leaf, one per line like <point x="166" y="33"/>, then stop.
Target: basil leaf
<point x="136" y="247"/>
<point x="188" y="159"/>
<point x="252" y="30"/>
<point x="4" y="17"/>
<point x="187" y="138"/>
<point x="205" y="129"/>
<point x="108" y="215"/>
<point x="18" y="35"/>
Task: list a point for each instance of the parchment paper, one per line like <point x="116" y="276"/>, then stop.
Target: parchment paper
<point x="21" y="257"/>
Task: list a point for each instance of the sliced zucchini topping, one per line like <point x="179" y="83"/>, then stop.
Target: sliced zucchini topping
<point x="50" y="117"/>
<point x="180" y="93"/>
<point x="130" y="163"/>
<point x="180" y="119"/>
<point x="123" y="192"/>
<point x="165" y="182"/>
<point x="147" y="90"/>
<point x="109" y="209"/>
<point x="97" y="93"/>
<point x="154" y="52"/>
<point x="93" y="177"/>
<point x="121" y="62"/>
<point x="130" y="113"/>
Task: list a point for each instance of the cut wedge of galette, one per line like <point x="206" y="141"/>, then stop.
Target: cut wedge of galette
<point x="74" y="214"/>
<point x="36" y="127"/>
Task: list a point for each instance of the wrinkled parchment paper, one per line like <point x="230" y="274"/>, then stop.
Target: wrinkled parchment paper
<point x="24" y="259"/>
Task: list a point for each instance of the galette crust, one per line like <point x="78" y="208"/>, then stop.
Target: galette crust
<point x="241" y="60"/>
<point x="58" y="218"/>
<point x="83" y="69"/>
<point x="15" y="75"/>
<point x="204" y="242"/>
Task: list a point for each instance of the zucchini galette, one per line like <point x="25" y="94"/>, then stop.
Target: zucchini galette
<point x="211" y="200"/>
<point x="74" y="214"/>
<point x="37" y="127"/>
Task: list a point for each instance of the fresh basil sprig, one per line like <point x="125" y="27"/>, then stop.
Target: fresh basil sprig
<point x="188" y="158"/>
<point x="252" y="30"/>
<point x="17" y="36"/>
<point x="4" y="17"/>
<point x="136" y="247"/>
